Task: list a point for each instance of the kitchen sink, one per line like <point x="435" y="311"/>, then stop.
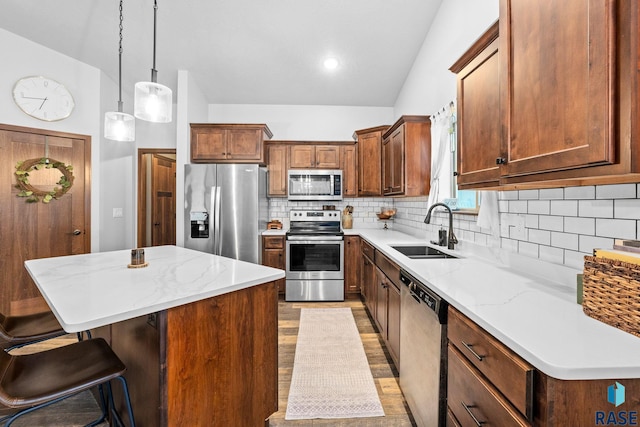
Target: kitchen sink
<point x="422" y="252"/>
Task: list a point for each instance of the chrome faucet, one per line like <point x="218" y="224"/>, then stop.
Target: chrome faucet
<point x="451" y="238"/>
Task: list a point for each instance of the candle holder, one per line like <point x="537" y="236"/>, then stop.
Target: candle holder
<point x="137" y="258"/>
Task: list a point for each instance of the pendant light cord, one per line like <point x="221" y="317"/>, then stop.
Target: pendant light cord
<point x="154" y="72"/>
<point x="120" y="64"/>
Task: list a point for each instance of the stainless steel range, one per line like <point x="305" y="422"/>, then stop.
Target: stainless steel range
<point x="315" y="256"/>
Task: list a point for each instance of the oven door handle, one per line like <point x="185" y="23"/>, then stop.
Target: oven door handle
<point x="315" y="239"/>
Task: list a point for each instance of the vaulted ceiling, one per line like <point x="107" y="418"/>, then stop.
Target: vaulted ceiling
<point x="241" y="51"/>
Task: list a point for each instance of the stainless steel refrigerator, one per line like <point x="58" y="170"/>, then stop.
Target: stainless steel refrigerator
<point x="226" y="209"/>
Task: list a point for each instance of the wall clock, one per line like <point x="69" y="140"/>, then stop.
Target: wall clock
<point x="43" y="98"/>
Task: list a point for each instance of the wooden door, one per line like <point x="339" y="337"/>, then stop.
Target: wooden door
<point x="40" y="230"/>
<point x="370" y="164"/>
<point x="277" y="166"/>
<point x="327" y="157"/>
<point x="163" y="200"/>
<point x="479" y="128"/>
<point x="302" y="156"/>
<point x="558" y="62"/>
<point x="349" y="171"/>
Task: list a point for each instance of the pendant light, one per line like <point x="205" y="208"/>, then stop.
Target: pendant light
<point x="153" y="100"/>
<point x="119" y="126"/>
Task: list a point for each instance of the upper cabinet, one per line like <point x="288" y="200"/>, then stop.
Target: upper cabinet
<point x="277" y="165"/>
<point x="311" y="156"/>
<point x="406" y="157"/>
<point x="568" y="97"/>
<point x="228" y="143"/>
<point x="479" y="112"/>
<point x="348" y="164"/>
<point x="370" y="160"/>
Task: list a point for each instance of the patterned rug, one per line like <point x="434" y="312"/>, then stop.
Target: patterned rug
<point x="331" y="376"/>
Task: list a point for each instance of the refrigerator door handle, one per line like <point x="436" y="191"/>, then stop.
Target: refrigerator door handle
<point x="217" y="241"/>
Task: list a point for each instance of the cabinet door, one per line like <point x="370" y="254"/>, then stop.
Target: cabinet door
<point x="395" y="153"/>
<point x="273" y="255"/>
<point x="393" y="323"/>
<point x="479" y="113"/>
<point x="370" y="164"/>
<point x="352" y="258"/>
<point x="327" y="157"/>
<point x="244" y="144"/>
<point x="349" y="171"/>
<point x="302" y="156"/>
<point x="208" y="144"/>
<point x="386" y="166"/>
<point x="558" y="97"/>
<point x="369" y="284"/>
<point x="381" y="302"/>
<point x="277" y="166"/>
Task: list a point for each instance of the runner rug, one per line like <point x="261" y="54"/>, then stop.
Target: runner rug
<point x="331" y="376"/>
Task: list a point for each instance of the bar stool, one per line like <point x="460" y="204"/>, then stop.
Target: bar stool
<point x="33" y="381"/>
<point x="18" y="331"/>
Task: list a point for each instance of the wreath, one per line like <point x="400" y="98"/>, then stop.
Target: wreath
<point x="34" y="194"/>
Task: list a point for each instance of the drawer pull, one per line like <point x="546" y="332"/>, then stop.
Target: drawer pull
<point x="468" y="409"/>
<point x="468" y="347"/>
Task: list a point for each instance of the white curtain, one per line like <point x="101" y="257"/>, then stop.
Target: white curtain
<point x="441" y="173"/>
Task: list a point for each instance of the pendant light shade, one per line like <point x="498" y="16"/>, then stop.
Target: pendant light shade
<point x="153" y="101"/>
<point x="119" y="126"/>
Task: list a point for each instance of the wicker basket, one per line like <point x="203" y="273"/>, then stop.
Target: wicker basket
<point x="612" y="293"/>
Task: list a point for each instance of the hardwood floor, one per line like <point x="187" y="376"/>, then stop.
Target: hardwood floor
<point x="79" y="410"/>
<point x="384" y="372"/>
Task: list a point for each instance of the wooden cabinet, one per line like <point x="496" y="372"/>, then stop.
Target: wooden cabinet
<point x="228" y="143"/>
<point x="386" y="302"/>
<point x="478" y="81"/>
<point x="277" y="162"/>
<point x="569" y="89"/>
<point x="367" y="286"/>
<point x="352" y="261"/>
<point x="348" y="164"/>
<point x="370" y="160"/>
<point x="406" y="157"/>
<point x="312" y="156"/>
<point x="210" y="362"/>
<point x="274" y="255"/>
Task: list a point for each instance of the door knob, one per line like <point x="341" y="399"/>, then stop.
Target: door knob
<point x="77" y="232"/>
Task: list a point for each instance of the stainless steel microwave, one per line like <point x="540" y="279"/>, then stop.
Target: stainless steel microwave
<point x="315" y="184"/>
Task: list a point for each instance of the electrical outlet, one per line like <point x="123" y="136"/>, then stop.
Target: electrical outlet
<point x="117" y="213"/>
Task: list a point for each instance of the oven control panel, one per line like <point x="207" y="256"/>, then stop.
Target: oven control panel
<point x="314" y="215"/>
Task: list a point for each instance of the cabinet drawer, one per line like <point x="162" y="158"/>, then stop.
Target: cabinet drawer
<point x="502" y="367"/>
<point x="472" y="400"/>
<point x="273" y="242"/>
<point x="389" y="268"/>
<point x="367" y="249"/>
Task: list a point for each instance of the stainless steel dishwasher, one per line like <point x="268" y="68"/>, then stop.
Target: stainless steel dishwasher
<point x="423" y="340"/>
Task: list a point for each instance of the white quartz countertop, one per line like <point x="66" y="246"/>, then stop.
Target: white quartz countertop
<point x="91" y="290"/>
<point x="533" y="314"/>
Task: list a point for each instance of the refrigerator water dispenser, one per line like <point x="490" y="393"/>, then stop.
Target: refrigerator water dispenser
<point x="199" y="225"/>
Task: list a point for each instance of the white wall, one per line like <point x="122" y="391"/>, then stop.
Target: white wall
<point x="304" y="122"/>
<point x="430" y="85"/>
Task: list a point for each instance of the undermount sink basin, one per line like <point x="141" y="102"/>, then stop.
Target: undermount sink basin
<point x="422" y="252"/>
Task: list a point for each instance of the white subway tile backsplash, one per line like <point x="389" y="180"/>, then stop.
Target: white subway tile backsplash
<point x="528" y="249"/>
<point x="617" y="191"/>
<point x="589" y="243"/>
<point x="518" y="206"/>
<point x="528" y="194"/>
<point x="551" y="193"/>
<point x="553" y="223"/>
<point x="551" y="254"/>
<point x="595" y="208"/>
<point x="629" y="208"/>
<point x="565" y="240"/>
<point x="564" y="207"/>
<point x="542" y="237"/>
<point x="508" y="195"/>
<point x="580" y="225"/>
<point x="618" y="228"/>
<point x="574" y="259"/>
<point x="531" y="221"/>
<point x="542" y="207"/>
<point x="586" y="192"/>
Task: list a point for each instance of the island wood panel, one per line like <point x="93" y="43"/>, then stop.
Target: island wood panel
<point x="211" y="362"/>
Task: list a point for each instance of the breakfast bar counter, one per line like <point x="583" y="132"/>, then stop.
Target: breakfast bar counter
<point x="197" y="332"/>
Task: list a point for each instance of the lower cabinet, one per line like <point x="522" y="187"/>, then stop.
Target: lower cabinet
<point x="352" y="261"/>
<point x="368" y="284"/>
<point x="273" y="255"/>
<point x="488" y="384"/>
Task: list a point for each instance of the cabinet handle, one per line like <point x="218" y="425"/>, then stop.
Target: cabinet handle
<point x="468" y="409"/>
<point x="501" y="161"/>
<point x="468" y="347"/>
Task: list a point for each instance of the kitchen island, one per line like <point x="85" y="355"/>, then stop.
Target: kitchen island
<point x="197" y="332"/>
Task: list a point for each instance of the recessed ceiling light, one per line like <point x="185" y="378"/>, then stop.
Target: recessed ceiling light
<point x="331" y="63"/>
